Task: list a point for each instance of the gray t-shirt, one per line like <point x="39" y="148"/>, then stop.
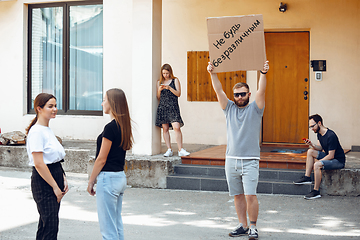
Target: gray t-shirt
<point x="243" y="130"/>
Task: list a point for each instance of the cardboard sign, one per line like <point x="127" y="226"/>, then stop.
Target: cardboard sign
<point x="236" y="43"/>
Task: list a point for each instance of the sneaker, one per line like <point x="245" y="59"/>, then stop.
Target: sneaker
<point x="313" y="195"/>
<point x="303" y="180"/>
<point x="183" y="152"/>
<point x="168" y="153"/>
<point x="253" y="233"/>
<point x="239" y="231"/>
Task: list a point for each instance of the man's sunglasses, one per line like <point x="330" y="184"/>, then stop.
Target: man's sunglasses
<point x="242" y="94"/>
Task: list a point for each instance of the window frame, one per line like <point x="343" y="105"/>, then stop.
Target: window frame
<point x="65" y="58"/>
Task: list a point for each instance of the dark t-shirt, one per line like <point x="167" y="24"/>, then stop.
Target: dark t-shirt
<point x="331" y="142"/>
<point x="116" y="158"/>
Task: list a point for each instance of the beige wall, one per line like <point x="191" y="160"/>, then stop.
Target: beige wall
<point x="334" y="36"/>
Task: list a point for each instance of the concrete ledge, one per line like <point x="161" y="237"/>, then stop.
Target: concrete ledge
<point x="355" y="148"/>
<point x="76" y="160"/>
<point x="149" y="171"/>
<point x="13" y="156"/>
<point x="342" y="182"/>
<point x="141" y="171"/>
<point x="145" y="171"/>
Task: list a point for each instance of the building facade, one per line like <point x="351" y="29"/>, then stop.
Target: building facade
<point x="138" y="36"/>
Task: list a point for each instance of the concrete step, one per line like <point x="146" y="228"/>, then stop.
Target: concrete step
<point x="196" y="182"/>
<point x="264" y="173"/>
<point x="212" y="178"/>
<point x="281" y="174"/>
<point x="202" y="170"/>
<point x="282" y="187"/>
<point x="207" y="183"/>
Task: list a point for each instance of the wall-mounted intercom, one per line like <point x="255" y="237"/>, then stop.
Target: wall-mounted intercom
<point x="318" y="76"/>
<point x="318" y="66"/>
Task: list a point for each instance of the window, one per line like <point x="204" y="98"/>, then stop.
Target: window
<point x="66" y="55"/>
<point x="199" y="87"/>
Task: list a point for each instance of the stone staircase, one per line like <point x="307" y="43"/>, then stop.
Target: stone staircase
<point x="212" y="178"/>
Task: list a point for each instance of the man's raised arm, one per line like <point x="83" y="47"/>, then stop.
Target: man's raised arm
<point x="221" y="96"/>
<point x="260" y="94"/>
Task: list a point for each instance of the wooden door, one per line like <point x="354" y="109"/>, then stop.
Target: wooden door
<point x="287" y="105"/>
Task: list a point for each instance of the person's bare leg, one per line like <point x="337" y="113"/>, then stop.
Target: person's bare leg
<point x="240" y="207"/>
<point x="178" y="135"/>
<point x="317" y="174"/>
<point x="252" y="208"/>
<point x="166" y="135"/>
<point x="310" y="160"/>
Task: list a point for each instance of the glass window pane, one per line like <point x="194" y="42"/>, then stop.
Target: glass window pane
<point x="46" y="52"/>
<point x="86" y="57"/>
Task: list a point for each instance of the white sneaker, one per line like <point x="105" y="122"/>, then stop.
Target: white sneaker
<point x="183" y="152"/>
<point x="168" y="153"/>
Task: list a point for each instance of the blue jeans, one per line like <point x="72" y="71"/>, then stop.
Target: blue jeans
<point x="109" y="194"/>
<point x="329" y="164"/>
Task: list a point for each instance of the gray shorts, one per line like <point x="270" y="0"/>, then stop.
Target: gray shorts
<point x="242" y="176"/>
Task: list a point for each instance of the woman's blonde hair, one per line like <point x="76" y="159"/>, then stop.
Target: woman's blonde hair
<point x="120" y="111"/>
<point x="168" y="68"/>
<point x="40" y="101"/>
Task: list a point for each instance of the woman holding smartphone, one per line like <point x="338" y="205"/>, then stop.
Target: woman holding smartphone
<point x="108" y="169"/>
<point x="168" y="112"/>
<point x="48" y="181"/>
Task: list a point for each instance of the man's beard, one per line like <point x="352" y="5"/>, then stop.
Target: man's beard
<point x="243" y="104"/>
<point x="317" y="130"/>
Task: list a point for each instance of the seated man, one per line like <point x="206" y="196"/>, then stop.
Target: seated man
<point x="328" y="155"/>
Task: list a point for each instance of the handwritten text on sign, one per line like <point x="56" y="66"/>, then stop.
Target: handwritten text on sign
<point x="236" y="43"/>
<point x="230" y="34"/>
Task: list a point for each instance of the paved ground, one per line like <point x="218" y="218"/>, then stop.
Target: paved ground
<point x="154" y="214"/>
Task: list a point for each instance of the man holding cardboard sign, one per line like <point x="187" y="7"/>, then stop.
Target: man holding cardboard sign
<point x="243" y="121"/>
<point x="237" y="43"/>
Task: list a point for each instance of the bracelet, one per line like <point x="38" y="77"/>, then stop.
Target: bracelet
<point x="263" y="72"/>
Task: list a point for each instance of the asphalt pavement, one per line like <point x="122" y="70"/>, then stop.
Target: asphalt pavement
<point x="160" y="214"/>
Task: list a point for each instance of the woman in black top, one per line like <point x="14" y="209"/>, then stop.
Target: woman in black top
<point x="108" y="169"/>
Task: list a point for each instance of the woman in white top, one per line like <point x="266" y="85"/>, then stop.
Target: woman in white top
<point x="48" y="181"/>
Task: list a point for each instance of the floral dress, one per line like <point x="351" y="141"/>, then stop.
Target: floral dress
<point x="168" y="110"/>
